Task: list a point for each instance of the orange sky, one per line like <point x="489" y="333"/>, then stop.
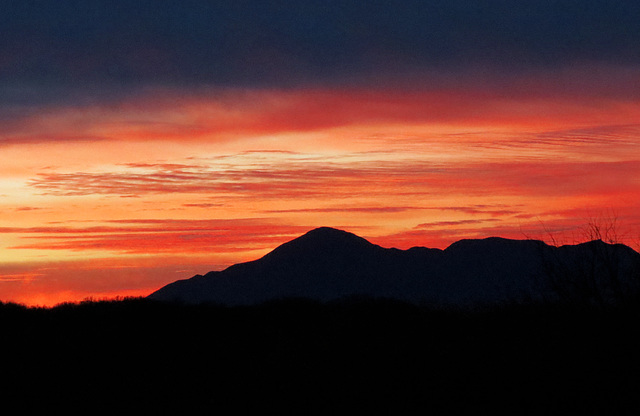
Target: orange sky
<point x="120" y="198"/>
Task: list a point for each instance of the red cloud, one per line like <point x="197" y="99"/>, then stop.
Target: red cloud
<point x="224" y="115"/>
<point x="292" y="179"/>
<point x="160" y="236"/>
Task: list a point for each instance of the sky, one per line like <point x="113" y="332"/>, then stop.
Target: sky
<point x="145" y="142"/>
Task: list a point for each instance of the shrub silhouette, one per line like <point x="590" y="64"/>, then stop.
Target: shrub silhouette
<point x="297" y="356"/>
<point x="599" y="272"/>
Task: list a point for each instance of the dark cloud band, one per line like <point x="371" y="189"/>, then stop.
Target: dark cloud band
<point x="252" y="43"/>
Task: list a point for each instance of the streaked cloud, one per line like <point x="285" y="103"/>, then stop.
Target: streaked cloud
<point x="294" y="179"/>
<point x="181" y="237"/>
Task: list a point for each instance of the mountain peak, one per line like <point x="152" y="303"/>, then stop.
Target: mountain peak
<point x="330" y="234"/>
<point x="322" y="240"/>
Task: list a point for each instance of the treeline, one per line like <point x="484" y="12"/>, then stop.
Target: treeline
<point x="298" y="356"/>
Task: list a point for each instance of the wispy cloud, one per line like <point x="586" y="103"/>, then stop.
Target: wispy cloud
<point x="25" y="209"/>
<point x="159" y="236"/>
<point x="202" y="205"/>
<point x="437" y="224"/>
<point x="493" y="210"/>
<point x="293" y="179"/>
<point x="361" y="210"/>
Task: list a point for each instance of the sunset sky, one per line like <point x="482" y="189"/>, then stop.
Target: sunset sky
<point x="143" y="142"/>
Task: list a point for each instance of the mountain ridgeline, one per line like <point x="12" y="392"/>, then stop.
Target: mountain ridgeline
<point x="384" y="346"/>
<point x="327" y="264"/>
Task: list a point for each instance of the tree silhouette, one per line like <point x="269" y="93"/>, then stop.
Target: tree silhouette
<point x="602" y="272"/>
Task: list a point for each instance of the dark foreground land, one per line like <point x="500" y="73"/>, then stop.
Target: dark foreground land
<point x="302" y="357"/>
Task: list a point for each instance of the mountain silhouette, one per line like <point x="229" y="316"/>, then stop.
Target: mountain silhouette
<point x="328" y="264"/>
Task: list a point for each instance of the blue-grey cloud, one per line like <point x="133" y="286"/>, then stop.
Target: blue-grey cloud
<point x="77" y="53"/>
<point x="232" y="42"/>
